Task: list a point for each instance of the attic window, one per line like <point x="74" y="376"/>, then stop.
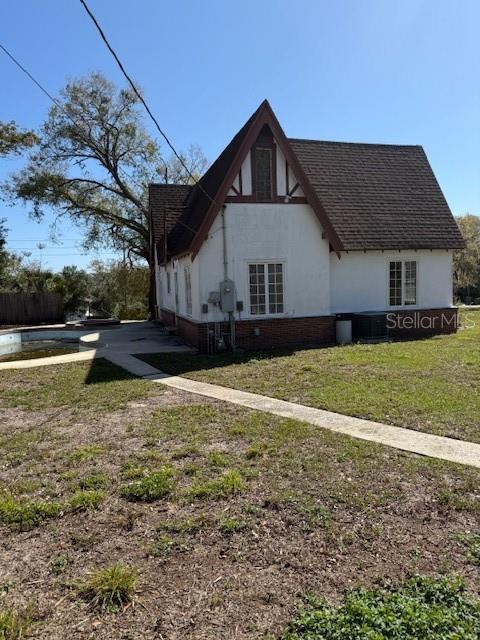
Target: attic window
<point x="263" y="173"/>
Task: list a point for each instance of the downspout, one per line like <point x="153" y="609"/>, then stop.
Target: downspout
<point x="224" y="236"/>
<point x="231" y="317"/>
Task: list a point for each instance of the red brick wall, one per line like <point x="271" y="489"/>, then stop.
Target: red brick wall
<point x="281" y="332"/>
<point x="277" y="332"/>
<point x="413" y="324"/>
<point x="194" y="334"/>
<point x="167" y="317"/>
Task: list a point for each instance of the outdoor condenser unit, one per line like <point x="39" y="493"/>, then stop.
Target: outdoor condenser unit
<point x="370" y="325"/>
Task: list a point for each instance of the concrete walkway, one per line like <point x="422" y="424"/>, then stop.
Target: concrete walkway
<point x="405" y="439"/>
<point x="126" y="338"/>
<point x="119" y="344"/>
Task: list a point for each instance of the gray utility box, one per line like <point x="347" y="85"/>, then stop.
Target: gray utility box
<point x="227" y="296"/>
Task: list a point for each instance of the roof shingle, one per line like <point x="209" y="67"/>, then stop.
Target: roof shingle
<point x="379" y="196"/>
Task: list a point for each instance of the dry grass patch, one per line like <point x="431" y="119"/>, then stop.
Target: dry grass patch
<point x="228" y="515"/>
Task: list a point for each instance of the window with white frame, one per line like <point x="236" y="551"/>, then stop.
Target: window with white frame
<point x="188" y="291"/>
<point x="266" y="288"/>
<point x="403" y="283"/>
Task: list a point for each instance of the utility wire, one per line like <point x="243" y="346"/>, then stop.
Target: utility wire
<point x="29" y="75"/>
<point x="142" y="100"/>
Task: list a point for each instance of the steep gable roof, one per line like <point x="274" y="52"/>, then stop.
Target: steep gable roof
<point x="379" y="196"/>
<point x="167" y="202"/>
<point x="366" y="196"/>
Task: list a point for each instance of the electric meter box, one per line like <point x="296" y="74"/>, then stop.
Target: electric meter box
<point x="227" y="296"/>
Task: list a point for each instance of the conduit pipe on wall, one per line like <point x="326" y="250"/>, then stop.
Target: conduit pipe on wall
<point x="231" y="317"/>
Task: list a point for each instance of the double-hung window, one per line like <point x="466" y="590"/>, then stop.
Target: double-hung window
<point x="402" y="283"/>
<point x="266" y="287"/>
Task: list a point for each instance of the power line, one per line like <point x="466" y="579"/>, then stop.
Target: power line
<point x="142" y="100"/>
<point x="29" y="75"/>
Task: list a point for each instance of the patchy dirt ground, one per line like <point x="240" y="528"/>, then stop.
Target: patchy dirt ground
<point x="311" y="510"/>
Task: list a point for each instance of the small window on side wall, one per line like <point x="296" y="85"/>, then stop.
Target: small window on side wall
<point x="263" y="173"/>
<point x="169" y="284"/>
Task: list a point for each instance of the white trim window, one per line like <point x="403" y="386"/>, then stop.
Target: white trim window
<point x="188" y="291"/>
<point x="266" y="288"/>
<point x="169" y="284"/>
<point x="402" y="283"/>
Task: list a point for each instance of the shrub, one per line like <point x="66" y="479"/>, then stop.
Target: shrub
<point x="217" y="459"/>
<point x="472" y="542"/>
<point x="151" y="487"/>
<point x="86" y="499"/>
<point x="189" y="525"/>
<point x="86" y="453"/>
<point x="420" y="608"/>
<point x="109" y="588"/>
<point x="59" y="564"/>
<point x="26" y="514"/>
<point x="15" y="625"/>
<point x="231" y="525"/>
<point x="228" y="484"/>
<point x="95" y="481"/>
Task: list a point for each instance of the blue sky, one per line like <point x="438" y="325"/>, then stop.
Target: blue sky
<point x="398" y="71"/>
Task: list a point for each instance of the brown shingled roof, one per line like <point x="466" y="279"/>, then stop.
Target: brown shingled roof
<point x="166" y="200"/>
<point x="379" y="196"/>
<point x="366" y="196"/>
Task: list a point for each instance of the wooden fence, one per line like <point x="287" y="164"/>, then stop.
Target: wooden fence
<point x="30" y="308"/>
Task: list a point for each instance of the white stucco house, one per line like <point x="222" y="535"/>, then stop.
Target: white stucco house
<point x="281" y="235"/>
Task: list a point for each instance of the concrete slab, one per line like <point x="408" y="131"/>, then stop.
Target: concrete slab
<point x="405" y="439"/>
<point x="81" y="356"/>
<point x="118" y="345"/>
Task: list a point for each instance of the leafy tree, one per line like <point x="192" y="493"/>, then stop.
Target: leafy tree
<point x="13" y="140"/>
<point x="467" y="262"/>
<point x="93" y="164"/>
<point x="119" y="289"/>
<point x="73" y="284"/>
<point x="27" y="277"/>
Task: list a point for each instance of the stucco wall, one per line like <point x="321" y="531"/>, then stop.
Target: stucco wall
<point x="166" y="299"/>
<point x="290" y="234"/>
<point x="359" y="281"/>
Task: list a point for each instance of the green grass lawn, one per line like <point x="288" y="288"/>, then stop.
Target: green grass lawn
<point x="430" y="385"/>
<point x="124" y="505"/>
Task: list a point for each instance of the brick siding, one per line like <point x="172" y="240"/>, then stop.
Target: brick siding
<point x="415" y="324"/>
<point x="318" y="330"/>
<point x="277" y="332"/>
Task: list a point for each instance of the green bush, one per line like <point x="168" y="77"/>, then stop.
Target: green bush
<point x="229" y="484"/>
<point x="94" y="481"/>
<point x="151" y="487"/>
<point x="26" y="514"/>
<point x="109" y="588"/>
<point x="86" y="499"/>
<point x="421" y="608"/>
<point x="15" y="625"/>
